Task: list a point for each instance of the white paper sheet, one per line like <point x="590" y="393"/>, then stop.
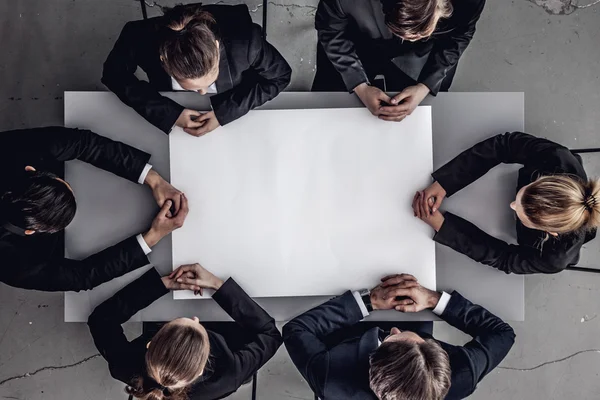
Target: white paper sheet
<point x="305" y="202"/>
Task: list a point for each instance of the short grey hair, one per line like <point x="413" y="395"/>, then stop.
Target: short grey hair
<point x="406" y="370"/>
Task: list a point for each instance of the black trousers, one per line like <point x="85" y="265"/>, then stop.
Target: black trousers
<point x="328" y="79"/>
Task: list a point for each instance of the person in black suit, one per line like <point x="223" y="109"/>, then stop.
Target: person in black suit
<point x="36" y="205"/>
<point x="208" y="49"/>
<point x="557" y="207"/>
<point x="414" y="44"/>
<point x="342" y="360"/>
<point x="184" y="359"/>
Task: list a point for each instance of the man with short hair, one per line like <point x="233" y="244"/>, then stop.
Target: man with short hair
<point x="36" y="205"/>
<point x="342" y="359"/>
<point x="412" y="45"/>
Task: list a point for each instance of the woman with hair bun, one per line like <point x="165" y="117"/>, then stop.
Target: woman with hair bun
<point x="184" y="359"/>
<point x="556" y="205"/>
<point x="213" y="49"/>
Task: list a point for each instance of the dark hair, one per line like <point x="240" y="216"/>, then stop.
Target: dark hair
<point x="37" y="201"/>
<point x="404" y="370"/>
<point x="416" y="19"/>
<point x="188" y="46"/>
<point x="177" y="355"/>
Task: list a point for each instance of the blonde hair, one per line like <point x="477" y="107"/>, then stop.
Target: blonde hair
<point x="562" y="203"/>
<point x="176" y="356"/>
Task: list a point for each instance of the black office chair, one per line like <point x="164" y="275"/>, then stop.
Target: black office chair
<point x="577" y="153"/>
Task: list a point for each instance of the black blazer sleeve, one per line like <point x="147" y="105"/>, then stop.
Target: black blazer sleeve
<point x="304" y="337"/>
<point x="105" y="323"/>
<point x="492" y="338"/>
<point x="64" y="144"/>
<point x="449" y="46"/>
<point x="509" y="148"/>
<point x="118" y="76"/>
<point x="254" y="320"/>
<point x="468" y="239"/>
<point x="268" y="75"/>
<point x="28" y="271"/>
<point x="331" y="23"/>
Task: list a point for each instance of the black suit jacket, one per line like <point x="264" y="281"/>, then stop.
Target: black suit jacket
<point x="251" y="71"/>
<point x="228" y="368"/>
<point x="341" y="372"/>
<point x="532" y="254"/>
<point x="353" y="32"/>
<point x="37" y="261"/>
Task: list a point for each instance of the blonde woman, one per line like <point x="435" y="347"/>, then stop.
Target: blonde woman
<point x="185" y="359"/>
<point x="556" y="205"/>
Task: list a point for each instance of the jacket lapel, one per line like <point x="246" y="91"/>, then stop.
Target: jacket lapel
<point x="224" y="81"/>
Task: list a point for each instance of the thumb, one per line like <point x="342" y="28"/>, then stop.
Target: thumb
<point x="437" y="204"/>
<point x="400" y="96"/>
<point x="165" y="209"/>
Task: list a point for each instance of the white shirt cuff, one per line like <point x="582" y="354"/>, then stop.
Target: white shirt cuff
<point x="143" y="244"/>
<point x="361" y="304"/>
<point x="441" y="305"/>
<point x="144" y="173"/>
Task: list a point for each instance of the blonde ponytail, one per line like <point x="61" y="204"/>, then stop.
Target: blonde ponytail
<point x="562" y="203"/>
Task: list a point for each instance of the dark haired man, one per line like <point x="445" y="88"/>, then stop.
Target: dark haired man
<point x="36" y="205"/>
<point x="344" y="360"/>
<point x="208" y="49"/>
<point x="414" y="45"/>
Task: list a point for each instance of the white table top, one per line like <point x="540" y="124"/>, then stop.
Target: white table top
<point x="105" y="202"/>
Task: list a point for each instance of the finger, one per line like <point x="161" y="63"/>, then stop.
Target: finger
<point x="205" y="116"/>
<point x="164" y="210"/>
<point x="188" y="287"/>
<point x="395" y="279"/>
<point x="423" y="206"/>
<point x="407" y="308"/>
<point x="395" y="292"/>
<point x="437" y="203"/>
<point x="382" y="96"/>
<point x="194" y="131"/>
<point x="425" y="203"/>
<point x="404" y="302"/>
<point x="397" y="99"/>
<point x="395" y="110"/>
<point x="414" y="203"/>
<point x="184" y="280"/>
<point x="182" y="270"/>
<point x="392" y="119"/>
<point x="176" y="203"/>
<point x="184" y="207"/>
<point x="418" y="207"/>
<point x="399" y="283"/>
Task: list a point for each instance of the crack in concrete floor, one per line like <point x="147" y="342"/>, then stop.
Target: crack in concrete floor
<point x="53" y="368"/>
<point x="49" y="368"/>
<point x="562" y="7"/>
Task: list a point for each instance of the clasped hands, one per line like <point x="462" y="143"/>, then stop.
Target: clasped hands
<point x="402" y="292"/>
<point x="192" y="277"/>
<point x="426" y="205"/>
<point x="197" y="123"/>
<point x="389" y="108"/>
<point x="173" y="208"/>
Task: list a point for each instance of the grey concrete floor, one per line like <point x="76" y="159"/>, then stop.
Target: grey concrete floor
<point x="545" y="48"/>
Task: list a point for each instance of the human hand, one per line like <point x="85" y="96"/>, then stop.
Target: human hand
<point x="423" y="212"/>
<point x="419" y="297"/>
<point x="432" y="198"/>
<point x="197" y="276"/>
<point x="188" y="119"/>
<point x="208" y="123"/>
<point x="163" y="224"/>
<point x="163" y="191"/>
<point x="372" y="97"/>
<point x="404" y="103"/>
<point x="380" y="302"/>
